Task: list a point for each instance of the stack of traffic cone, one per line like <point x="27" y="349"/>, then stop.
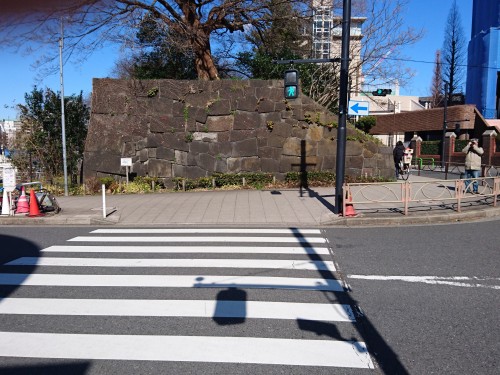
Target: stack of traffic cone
<point x="349" y="208"/>
<point x="34" y="209"/>
<point x="22" y="203"/>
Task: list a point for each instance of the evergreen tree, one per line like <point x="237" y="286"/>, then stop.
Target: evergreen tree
<point x="39" y="142"/>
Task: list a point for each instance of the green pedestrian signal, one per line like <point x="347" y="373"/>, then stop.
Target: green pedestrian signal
<point x="291" y="84"/>
<point x="382" y="92"/>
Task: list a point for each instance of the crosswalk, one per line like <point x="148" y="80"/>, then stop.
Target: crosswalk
<point x="230" y="296"/>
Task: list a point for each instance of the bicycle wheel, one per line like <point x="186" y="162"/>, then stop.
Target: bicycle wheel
<point x="405" y="172"/>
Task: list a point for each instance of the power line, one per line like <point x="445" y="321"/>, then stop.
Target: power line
<point x="444" y="63"/>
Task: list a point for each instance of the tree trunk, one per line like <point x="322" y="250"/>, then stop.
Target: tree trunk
<point x="204" y="62"/>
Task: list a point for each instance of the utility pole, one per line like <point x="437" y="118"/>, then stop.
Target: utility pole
<point x="63" y="121"/>
<point x="342" y="128"/>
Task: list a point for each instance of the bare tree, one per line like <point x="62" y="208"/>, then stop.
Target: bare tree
<point x="454" y="52"/>
<point x="380" y="58"/>
<point x="91" y="23"/>
<point x="437" y="82"/>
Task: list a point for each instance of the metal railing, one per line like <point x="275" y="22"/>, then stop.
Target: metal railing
<point x="403" y="196"/>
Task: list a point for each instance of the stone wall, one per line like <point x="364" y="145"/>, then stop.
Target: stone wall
<point x="194" y="128"/>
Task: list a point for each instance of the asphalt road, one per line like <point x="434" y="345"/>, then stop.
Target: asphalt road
<point x="430" y="295"/>
<point x="443" y="320"/>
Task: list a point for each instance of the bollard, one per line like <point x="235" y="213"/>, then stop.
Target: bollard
<point x="213" y="183"/>
<point x="104" y="201"/>
<point x="244" y="181"/>
<point x="183" y="185"/>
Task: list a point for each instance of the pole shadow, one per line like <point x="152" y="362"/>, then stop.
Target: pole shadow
<point x="386" y="357"/>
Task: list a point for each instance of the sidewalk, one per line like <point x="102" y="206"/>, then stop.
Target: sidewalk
<point x="301" y="208"/>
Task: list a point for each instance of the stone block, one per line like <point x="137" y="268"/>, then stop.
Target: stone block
<point x="206" y="162"/>
<point x="251" y="164"/>
<point x="240" y="135"/>
<point x="265" y="106"/>
<point x="143" y="155"/>
<point x="282" y="129"/>
<point x="329" y="163"/>
<point x="139" y="168"/>
<point x="327" y="147"/>
<point x="159" y="168"/>
<point x="292" y="146"/>
<point x="220" y="123"/>
<point x="289" y="163"/>
<point x="128" y="149"/>
<point x="165" y="153"/>
<point x="151" y="153"/>
<point x="275" y="141"/>
<point x="353" y="148"/>
<point x="269" y="165"/>
<point x="220" y="149"/>
<point x="181" y="157"/>
<point x="234" y="165"/>
<point x="246" y="120"/>
<point x="247" y="104"/>
<point x="244" y="148"/>
<point x="221" y="107"/>
<point x="194" y="172"/>
<point x="196" y="147"/>
<point x="355" y="162"/>
<point x="140" y="145"/>
<point x="220" y="165"/>
<point x="315" y="133"/>
<point x="205" y="137"/>
<point x="269" y="153"/>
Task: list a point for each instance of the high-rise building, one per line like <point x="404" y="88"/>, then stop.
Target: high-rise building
<point x="327" y="39"/>
<point x="483" y="72"/>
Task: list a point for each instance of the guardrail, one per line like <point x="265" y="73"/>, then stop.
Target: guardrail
<point x="402" y="196"/>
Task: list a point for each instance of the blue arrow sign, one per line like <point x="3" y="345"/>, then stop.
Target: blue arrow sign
<point x="358" y="108"/>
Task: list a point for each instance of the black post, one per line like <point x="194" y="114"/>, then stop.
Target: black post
<point x="444" y="122"/>
<point x="341" y="130"/>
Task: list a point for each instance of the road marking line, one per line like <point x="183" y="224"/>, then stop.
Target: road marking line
<point x="201" y="239"/>
<point x="209" y="230"/>
<point x="190" y="249"/>
<point x="461" y="281"/>
<point x="210" y="263"/>
<point x="186" y="349"/>
<point x="180" y="308"/>
<point x="172" y="281"/>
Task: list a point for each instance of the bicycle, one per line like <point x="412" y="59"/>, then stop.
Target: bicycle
<point x="404" y="170"/>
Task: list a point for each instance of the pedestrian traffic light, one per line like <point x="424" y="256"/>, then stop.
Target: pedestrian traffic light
<point x="381" y="92"/>
<point x="291" y="84"/>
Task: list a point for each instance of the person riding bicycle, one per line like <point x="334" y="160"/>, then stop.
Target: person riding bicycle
<point x="398" y="154"/>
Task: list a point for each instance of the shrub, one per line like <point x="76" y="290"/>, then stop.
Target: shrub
<point x="430" y="147"/>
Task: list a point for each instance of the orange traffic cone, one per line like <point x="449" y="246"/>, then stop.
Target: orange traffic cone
<point x="349" y="208"/>
<point x="34" y="209"/>
<point x="22" y="203"/>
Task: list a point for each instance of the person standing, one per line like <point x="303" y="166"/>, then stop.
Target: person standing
<point x="472" y="163"/>
<point x="398" y="154"/>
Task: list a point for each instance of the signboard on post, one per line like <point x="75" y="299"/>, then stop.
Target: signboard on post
<point x="358" y="108"/>
<point x="9" y="179"/>
<point x="127" y="163"/>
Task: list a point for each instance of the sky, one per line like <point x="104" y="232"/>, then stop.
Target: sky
<point x="19" y="77"/>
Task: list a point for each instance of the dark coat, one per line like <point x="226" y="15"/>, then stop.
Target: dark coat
<point x="398" y="153"/>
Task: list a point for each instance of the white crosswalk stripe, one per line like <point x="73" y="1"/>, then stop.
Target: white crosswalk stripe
<point x="97" y="277"/>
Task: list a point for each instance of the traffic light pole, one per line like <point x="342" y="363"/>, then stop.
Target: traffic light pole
<point x="342" y="127"/>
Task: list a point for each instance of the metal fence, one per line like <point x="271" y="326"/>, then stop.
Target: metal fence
<point x="401" y="197"/>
